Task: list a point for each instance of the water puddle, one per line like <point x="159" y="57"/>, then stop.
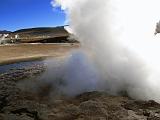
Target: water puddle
<point x="19" y="65"/>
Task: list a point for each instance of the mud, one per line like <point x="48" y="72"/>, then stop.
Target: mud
<point x="21" y="104"/>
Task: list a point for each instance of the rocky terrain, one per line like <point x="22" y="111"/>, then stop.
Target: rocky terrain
<point x="25" y="96"/>
<point x="41" y="35"/>
<point x="17" y="103"/>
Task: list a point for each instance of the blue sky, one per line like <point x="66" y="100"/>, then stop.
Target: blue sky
<point x="17" y="14"/>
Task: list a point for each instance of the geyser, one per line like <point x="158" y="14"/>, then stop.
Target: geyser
<point x="118" y="38"/>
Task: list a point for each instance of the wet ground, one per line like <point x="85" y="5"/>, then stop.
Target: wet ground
<point x="19" y="65"/>
<point x="23" y="96"/>
<point x="17" y="103"/>
<point x="21" y="70"/>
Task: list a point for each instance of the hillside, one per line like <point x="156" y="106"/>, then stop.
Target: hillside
<point x="41" y="35"/>
<point x="4" y="32"/>
<point x="42" y="31"/>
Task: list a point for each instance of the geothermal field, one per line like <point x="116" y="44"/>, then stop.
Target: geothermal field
<point x="52" y="82"/>
<point x="24" y="52"/>
<point x="103" y="65"/>
<point x="57" y="81"/>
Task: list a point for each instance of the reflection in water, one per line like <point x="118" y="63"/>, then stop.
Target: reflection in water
<point x="20" y="65"/>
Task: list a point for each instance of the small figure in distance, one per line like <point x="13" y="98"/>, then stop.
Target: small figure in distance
<point x="157" y="30"/>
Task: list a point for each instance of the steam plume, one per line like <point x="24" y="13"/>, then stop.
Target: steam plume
<point x="117" y="38"/>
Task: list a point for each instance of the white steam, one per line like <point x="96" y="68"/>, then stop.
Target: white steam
<point x="118" y="37"/>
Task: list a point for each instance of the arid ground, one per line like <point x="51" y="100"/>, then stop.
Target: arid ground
<point x="17" y="103"/>
<point x="24" y="52"/>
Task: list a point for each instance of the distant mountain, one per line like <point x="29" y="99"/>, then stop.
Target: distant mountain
<point x="42" y="35"/>
<point x="4" y="32"/>
<point x="42" y="31"/>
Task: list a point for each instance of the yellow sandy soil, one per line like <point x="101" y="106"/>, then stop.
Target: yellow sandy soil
<point x="26" y="52"/>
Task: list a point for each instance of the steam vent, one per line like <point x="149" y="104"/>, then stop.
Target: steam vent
<point x="79" y="60"/>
